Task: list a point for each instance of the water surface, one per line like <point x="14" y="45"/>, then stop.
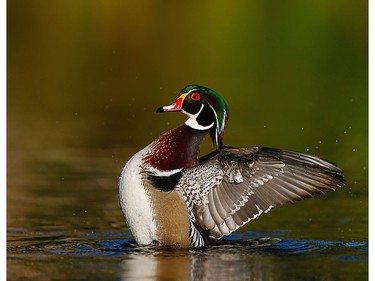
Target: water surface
<point x="64" y="222"/>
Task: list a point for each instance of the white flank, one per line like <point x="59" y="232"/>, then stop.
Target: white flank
<point x="135" y="202"/>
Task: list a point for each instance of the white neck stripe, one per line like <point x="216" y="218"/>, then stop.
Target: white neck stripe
<point x="195" y="115"/>
<point x="192" y="123"/>
<point x="162" y="173"/>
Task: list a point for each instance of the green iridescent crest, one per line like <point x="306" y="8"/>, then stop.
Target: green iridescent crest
<point x="219" y="107"/>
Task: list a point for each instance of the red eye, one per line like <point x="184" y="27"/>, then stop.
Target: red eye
<point x="195" y="96"/>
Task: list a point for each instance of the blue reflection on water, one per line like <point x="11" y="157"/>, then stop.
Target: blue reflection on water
<point x="108" y="244"/>
<point x="304" y="246"/>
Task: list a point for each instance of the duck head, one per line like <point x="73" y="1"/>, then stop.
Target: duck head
<point x="205" y="108"/>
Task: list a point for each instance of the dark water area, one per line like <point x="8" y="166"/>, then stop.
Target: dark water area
<point x="84" y="79"/>
<point x="108" y="256"/>
<point x="65" y="223"/>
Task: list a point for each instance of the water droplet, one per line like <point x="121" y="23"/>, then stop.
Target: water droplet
<point x="353" y="149"/>
<point x="337" y="140"/>
<point x="307" y="149"/>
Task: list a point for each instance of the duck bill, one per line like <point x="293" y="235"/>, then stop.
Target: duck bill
<point x="176" y="106"/>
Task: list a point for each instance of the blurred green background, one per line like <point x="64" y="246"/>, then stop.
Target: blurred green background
<point x="85" y="78"/>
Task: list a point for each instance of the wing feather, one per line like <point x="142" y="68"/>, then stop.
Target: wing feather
<point x="225" y="201"/>
<point x="213" y="208"/>
<point x="235" y="185"/>
<point x="231" y="224"/>
<point x="218" y="202"/>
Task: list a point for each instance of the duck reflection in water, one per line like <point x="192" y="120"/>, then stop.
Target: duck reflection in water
<point x="225" y="262"/>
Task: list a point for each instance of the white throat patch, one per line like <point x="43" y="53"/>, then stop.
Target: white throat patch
<point x="192" y="121"/>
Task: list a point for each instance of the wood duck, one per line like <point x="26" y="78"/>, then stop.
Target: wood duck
<point x="171" y="196"/>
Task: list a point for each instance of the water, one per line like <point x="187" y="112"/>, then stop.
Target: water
<point x="108" y="256"/>
<point x="65" y="223"/>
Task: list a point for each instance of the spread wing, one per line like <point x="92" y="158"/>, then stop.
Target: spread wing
<point x="236" y="185"/>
